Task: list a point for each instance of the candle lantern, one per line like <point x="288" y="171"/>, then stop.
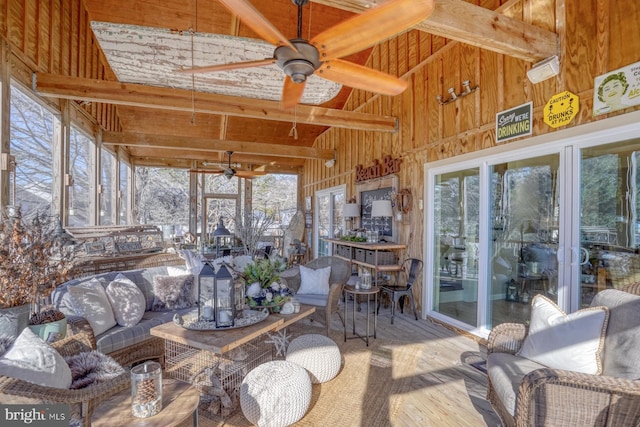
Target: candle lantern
<point x="216" y="296"/>
<point x="224" y="295"/>
<point x="206" y="279"/>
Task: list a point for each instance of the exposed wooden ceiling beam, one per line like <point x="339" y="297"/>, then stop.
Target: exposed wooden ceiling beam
<point x="476" y="26"/>
<point x="163" y="157"/>
<point x="215" y="145"/>
<point x="200" y="155"/>
<point x="110" y="92"/>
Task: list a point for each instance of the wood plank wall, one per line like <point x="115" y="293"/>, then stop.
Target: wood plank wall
<point x="54" y="36"/>
<point x="595" y="36"/>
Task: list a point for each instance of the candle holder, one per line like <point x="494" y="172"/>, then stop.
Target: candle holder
<point x="146" y="389"/>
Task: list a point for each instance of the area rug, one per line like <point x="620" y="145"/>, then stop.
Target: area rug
<point x="368" y="390"/>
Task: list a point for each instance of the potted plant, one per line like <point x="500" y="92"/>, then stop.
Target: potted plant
<point x="34" y="259"/>
<point x="261" y="278"/>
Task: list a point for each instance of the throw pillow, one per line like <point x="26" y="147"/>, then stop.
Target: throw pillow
<point x="90" y="301"/>
<point x="92" y="367"/>
<point x="33" y="360"/>
<point x="127" y="301"/>
<point x="172" y="292"/>
<point x="565" y="341"/>
<point x="622" y="344"/>
<point x="314" y="281"/>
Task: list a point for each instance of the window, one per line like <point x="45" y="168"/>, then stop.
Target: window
<point x="80" y="150"/>
<point x="31" y="140"/>
<point x="106" y="196"/>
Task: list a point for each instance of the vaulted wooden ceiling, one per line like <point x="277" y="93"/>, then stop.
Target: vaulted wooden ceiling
<point x="157" y="121"/>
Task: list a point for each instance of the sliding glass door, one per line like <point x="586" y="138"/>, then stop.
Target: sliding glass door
<point x="559" y="219"/>
<point x="329" y="220"/>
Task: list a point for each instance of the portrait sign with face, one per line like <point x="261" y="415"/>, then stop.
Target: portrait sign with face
<point x="617" y="90"/>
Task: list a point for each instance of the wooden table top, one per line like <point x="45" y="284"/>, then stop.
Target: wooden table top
<point x="221" y="341"/>
<point x="364" y="245"/>
<point x="179" y="401"/>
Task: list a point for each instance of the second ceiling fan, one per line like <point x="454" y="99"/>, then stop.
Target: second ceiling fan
<point x="300" y="58"/>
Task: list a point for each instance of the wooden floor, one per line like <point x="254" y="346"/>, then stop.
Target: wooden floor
<point x="446" y="390"/>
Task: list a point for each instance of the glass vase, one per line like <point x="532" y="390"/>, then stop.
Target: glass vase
<point x="146" y="389"/>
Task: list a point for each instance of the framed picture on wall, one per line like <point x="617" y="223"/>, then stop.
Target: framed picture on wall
<point x="379" y="189"/>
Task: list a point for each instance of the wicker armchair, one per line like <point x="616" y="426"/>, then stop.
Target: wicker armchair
<point x="340" y="273"/>
<point x="81" y="401"/>
<point x="555" y="397"/>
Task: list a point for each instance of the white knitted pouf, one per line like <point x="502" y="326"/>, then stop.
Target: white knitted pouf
<point x="318" y="354"/>
<point x="275" y="394"/>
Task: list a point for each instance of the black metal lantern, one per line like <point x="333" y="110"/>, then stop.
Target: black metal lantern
<point x="222" y="236"/>
<point x="206" y="281"/>
<point x="224" y="294"/>
<point x="216" y="296"/>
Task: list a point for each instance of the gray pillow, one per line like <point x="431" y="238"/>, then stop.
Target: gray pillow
<point x="172" y="292"/>
<point x="622" y="340"/>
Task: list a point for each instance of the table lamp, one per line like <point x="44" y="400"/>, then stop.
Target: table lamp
<point x="381" y="209"/>
<point x="351" y="211"/>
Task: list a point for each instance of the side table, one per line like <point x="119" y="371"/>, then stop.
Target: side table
<point x="179" y="402"/>
<point x="351" y="290"/>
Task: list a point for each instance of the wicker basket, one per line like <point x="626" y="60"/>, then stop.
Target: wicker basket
<point x="384" y="257"/>
<point x="360" y="255"/>
<point x="344" y="251"/>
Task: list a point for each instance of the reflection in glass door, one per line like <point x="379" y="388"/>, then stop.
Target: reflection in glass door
<point x="609" y="226"/>
<point x="524" y="218"/>
<point x="457" y="209"/>
<point x="329" y="219"/>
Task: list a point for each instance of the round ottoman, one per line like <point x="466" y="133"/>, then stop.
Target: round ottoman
<point x="275" y="394"/>
<point x="318" y="354"/>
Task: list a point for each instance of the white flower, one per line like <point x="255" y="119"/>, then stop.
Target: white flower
<point x="269" y="296"/>
<point x="275" y="286"/>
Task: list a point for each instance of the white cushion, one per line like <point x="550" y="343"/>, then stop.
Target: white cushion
<point x="314" y="281"/>
<point x="90" y="301"/>
<point x="33" y="360"/>
<point x="572" y="342"/>
<point x="127" y="301"/>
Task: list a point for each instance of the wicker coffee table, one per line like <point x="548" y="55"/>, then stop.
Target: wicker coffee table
<point x="179" y="403"/>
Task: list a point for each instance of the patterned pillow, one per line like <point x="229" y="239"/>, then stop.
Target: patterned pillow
<point x="172" y="292"/>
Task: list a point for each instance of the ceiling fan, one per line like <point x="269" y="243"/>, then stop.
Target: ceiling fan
<point x="229" y="170"/>
<point x="300" y="58"/>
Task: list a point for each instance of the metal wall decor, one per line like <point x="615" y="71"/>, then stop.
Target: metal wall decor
<point x="466" y="90"/>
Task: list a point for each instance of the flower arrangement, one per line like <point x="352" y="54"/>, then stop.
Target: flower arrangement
<point x="263" y="287"/>
<point x="32" y="260"/>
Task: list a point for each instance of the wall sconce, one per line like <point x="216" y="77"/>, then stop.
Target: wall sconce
<point x="544" y="69"/>
<point x="466" y="90"/>
<point x="332" y="162"/>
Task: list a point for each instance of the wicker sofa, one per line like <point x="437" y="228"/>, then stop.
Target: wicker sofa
<point x="127" y="345"/>
<point x="525" y="393"/>
<point x="81" y="401"/>
<point x="325" y="305"/>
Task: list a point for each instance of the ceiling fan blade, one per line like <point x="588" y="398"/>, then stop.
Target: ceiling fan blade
<point x="225" y="67"/>
<point x="291" y="93"/>
<point x="359" y="77"/>
<point x="368" y="29"/>
<point x="255" y="20"/>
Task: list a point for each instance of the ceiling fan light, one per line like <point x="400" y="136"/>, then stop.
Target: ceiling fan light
<point x="298" y="69"/>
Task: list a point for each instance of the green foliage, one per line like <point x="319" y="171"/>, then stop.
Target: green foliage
<point x="263" y="271"/>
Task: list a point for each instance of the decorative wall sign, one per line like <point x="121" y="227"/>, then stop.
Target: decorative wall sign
<point x="617" y="89"/>
<point x="382" y="189"/>
<point x="515" y="122"/>
<point x="388" y="166"/>
<point x="561" y="109"/>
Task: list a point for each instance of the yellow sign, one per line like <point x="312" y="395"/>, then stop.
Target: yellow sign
<point x="561" y="109"/>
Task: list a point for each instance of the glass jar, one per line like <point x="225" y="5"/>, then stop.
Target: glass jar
<point x="365" y="280"/>
<point x="146" y="389"/>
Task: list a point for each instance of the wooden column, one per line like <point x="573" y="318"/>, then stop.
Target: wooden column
<point x="5" y="107"/>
